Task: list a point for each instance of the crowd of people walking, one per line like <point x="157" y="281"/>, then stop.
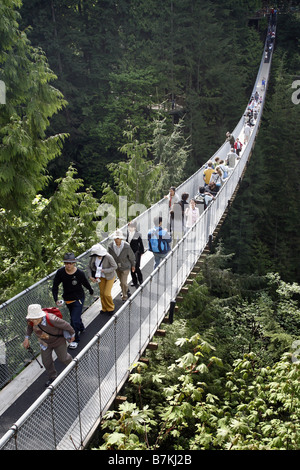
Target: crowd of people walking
<point x="123" y="254"/>
<point x="123" y="257"/>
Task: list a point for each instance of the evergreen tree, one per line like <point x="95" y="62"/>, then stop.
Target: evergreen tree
<point x="136" y="178"/>
<point x="150" y="168"/>
<point x="32" y="248"/>
<point x="171" y="150"/>
<point x="34" y="230"/>
<point x="25" y="147"/>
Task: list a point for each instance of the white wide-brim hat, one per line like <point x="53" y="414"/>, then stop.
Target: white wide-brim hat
<point x="98" y="250"/>
<point x="34" y="311"/>
<point x="118" y="234"/>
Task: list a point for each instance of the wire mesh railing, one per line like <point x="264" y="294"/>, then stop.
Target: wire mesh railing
<point x="66" y="413"/>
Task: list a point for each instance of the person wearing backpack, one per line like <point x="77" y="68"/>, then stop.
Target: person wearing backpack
<point x="159" y="241"/>
<point x="52" y="332"/>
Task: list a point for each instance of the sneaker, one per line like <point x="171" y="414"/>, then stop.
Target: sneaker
<point x="73" y="345"/>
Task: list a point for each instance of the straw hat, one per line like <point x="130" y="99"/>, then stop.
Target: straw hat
<point x="34" y="311"/>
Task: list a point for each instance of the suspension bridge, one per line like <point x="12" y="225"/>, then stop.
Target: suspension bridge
<point x="66" y="414"/>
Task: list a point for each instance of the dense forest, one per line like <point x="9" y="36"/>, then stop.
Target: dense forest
<point x="97" y="89"/>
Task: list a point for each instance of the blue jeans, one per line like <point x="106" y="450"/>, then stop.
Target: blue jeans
<point x="75" y="309"/>
<point x="158" y="258"/>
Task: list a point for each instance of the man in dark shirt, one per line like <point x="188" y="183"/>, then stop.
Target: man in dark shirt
<point x="72" y="280"/>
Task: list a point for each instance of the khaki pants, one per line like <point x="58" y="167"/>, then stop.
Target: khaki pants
<point x="105" y="287"/>
<point x="62" y="355"/>
<point x="123" y="275"/>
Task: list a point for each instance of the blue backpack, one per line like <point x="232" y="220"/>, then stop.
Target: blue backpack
<point x="156" y="242"/>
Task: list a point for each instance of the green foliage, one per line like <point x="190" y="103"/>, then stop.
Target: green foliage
<point x="263" y="405"/>
<point x="131" y="423"/>
<point x="242" y="314"/>
<point x="135" y="178"/>
<point x="232" y="383"/>
<point x="35" y="230"/>
<point x="25" y="148"/>
<point x="149" y="168"/>
<point x="171" y="419"/>
<point x="32" y="248"/>
<point x="171" y="151"/>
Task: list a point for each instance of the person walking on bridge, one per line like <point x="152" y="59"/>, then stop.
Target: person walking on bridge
<point x="230" y="138"/>
<point x="208" y="172"/>
<point x="73" y="281"/>
<point x="134" y="238"/>
<point x="123" y="255"/>
<point x="172" y="199"/>
<point x="102" y="269"/>
<point x="52" y="333"/>
<point x="159" y="241"/>
<point x="238" y="146"/>
<point x="247" y="133"/>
